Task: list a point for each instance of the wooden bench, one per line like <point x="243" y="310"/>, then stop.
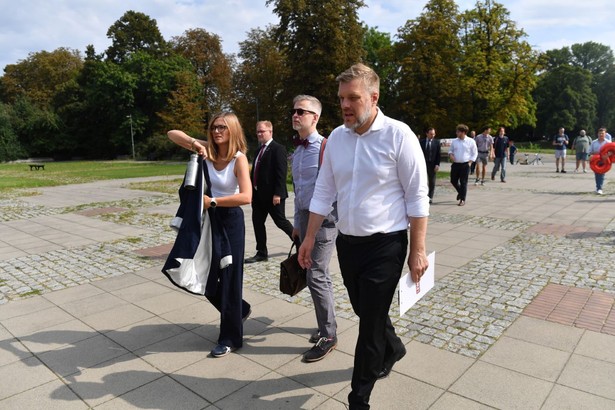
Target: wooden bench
<point x="37" y="166"/>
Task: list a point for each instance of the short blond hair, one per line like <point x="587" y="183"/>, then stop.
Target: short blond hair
<point x="266" y="123"/>
<point x="237" y="139"/>
<point x="360" y="71"/>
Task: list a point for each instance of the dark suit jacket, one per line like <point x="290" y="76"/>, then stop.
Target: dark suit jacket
<point x="271" y="172"/>
<point x="434" y="157"/>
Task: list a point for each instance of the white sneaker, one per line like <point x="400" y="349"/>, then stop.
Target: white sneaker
<point x="585" y="171"/>
<point x="599" y="192"/>
<point x="576" y="170"/>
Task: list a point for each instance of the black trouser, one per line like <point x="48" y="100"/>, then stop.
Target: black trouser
<point x="228" y="298"/>
<point x="431" y="178"/>
<point x="260" y="209"/>
<point x="371" y="268"/>
<point x="459" y="178"/>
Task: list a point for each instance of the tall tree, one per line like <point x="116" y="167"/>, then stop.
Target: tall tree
<point x="498" y="68"/>
<point x="429" y="80"/>
<point x="10" y="148"/>
<point x="183" y="108"/>
<point x="213" y="68"/>
<point x="133" y="32"/>
<point x="321" y="38"/>
<point x="593" y="57"/>
<point x="606" y="103"/>
<point x="380" y="55"/>
<point x="107" y="93"/>
<point x="565" y="99"/>
<point x="259" y="83"/>
<point x="596" y="60"/>
<point x="40" y="76"/>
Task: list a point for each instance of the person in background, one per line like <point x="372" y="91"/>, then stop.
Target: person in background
<point x="500" y="152"/>
<point x="560" y="141"/>
<point x="462" y="153"/>
<point x="230" y="187"/>
<point x="581" y="146"/>
<point x="484" y="144"/>
<point x="472" y="135"/>
<point x="305" y="168"/>
<point x="269" y="189"/>
<point x="373" y="167"/>
<point x="595" y="149"/>
<point x="512" y="150"/>
<point x="432" y="153"/>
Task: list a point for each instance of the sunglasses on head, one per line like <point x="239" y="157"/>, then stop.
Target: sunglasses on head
<point x="300" y="111"/>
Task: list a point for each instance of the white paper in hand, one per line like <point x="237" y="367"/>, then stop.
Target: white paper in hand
<point x="410" y="292"/>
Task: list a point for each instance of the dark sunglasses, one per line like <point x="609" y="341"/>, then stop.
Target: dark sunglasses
<point x="300" y="111"/>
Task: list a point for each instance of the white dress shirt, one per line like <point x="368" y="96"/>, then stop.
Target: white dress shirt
<point x="379" y="178"/>
<point x="464" y="150"/>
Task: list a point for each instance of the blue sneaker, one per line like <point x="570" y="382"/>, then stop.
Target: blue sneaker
<point x="221" y="351"/>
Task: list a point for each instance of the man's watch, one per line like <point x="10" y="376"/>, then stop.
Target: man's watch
<point x="213" y="203"/>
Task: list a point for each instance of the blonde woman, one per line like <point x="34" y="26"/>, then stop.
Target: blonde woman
<point x="230" y="187"/>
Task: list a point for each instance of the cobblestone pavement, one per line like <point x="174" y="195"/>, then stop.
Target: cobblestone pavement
<point x="466" y="312"/>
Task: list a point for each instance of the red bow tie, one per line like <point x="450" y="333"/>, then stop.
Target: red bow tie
<point x="298" y="141"/>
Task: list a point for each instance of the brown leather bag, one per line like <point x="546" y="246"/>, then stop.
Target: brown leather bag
<point x="292" y="275"/>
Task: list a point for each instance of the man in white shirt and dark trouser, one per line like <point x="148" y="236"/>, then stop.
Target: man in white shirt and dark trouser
<point x="462" y="153"/>
<point x="374" y="167"/>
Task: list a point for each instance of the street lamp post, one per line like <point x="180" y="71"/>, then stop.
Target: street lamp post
<point x="132" y="137"/>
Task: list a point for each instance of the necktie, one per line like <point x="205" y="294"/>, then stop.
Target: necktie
<point x="428" y="150"/>
<point x="298" y="141"/>
<point x="257" y="163"/>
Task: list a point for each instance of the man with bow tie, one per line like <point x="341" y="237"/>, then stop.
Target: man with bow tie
<point x="305" y="166"/>
<point x="431" y="151"/>
<point x="269" y="191"/>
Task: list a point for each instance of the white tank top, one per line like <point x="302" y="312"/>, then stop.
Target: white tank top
<point x="224" y="182"/>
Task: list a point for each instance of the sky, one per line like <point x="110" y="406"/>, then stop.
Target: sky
<point x="30" y="26"/>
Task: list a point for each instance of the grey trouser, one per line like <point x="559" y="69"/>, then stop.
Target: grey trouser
<point x="318" y="276"/>
<point x="499" y="162"/>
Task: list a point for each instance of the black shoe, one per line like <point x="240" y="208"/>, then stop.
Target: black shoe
<point x="221" y="351"/>
<point x="563" y="172"/>
<point x="256" y="258"/>
<point x="322" y="348"/>
<point x="388" y="364"/>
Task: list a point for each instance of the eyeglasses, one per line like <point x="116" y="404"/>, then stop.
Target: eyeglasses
<point x="300" y="111"/>
<point x="219" y="128"/>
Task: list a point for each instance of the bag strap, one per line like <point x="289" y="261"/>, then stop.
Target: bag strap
<point x="322" y="152"/>
<point x="293" y="245"/>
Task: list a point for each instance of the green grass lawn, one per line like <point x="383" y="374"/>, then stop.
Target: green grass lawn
<point x="16" y="176"/>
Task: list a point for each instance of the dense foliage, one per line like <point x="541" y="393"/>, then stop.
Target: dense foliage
<point x="443" y="67"/>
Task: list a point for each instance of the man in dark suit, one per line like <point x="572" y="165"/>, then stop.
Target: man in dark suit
<point x="431" y="151"/>
<point x="268" y="188"/>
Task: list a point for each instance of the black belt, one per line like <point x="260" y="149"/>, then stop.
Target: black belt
<point x="461" y="163"/>
<point x="484" y="152"/>
<point x="370" y="238"/>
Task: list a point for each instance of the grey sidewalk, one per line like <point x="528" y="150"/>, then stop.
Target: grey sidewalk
<point x="522" y="314"/>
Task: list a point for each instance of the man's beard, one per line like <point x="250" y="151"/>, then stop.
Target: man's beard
<point x="362" y="120"/>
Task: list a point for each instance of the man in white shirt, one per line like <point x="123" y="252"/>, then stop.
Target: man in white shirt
<point x="374" y="167"/>
<point x="462" y="153"/>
